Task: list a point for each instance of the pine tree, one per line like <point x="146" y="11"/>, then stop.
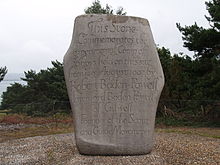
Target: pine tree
<point x="3" y="72"/>
<point x="97" y="8"/>
<point x="204" y="42"/>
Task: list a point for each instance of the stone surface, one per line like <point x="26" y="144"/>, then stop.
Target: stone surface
<point x="114" y="80"/>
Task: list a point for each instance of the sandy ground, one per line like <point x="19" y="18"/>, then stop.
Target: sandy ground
<point x="170" y="148"/>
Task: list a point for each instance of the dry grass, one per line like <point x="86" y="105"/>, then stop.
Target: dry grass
<point x="23" y="119"/>
<point x="35" y="130"/>
<point x="20" y="126"/>
<point x="40" y="126"/>
<point x="206" y="132"/>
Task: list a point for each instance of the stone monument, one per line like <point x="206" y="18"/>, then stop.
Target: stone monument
<point x="114" y="80"/>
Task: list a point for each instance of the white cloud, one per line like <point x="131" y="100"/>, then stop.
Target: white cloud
<point x="34" y="46"/>
<point x="35" y="32"/>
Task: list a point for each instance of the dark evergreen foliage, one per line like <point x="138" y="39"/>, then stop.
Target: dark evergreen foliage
<point x="96" y="8"/>
<point x="3" y="72"/>
<point x="204" y="42"/>
<point x="44" y="91"/>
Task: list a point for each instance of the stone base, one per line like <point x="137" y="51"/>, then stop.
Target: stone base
<point x="112" y="150"/>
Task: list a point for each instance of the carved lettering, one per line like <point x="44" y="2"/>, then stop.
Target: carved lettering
<point x="114" y="79"/>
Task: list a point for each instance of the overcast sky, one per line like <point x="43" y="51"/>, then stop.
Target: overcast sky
<point x="35" y="32"/>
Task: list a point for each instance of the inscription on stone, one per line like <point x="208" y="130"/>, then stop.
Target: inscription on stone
<point x="114" y="80"/>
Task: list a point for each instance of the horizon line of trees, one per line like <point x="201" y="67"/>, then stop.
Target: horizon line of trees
<point x="186" y="78"/>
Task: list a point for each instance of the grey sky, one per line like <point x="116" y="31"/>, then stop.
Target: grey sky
<point x="35" y="32"/>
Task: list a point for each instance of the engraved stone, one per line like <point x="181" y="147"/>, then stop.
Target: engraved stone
<point x="114" y="80"/>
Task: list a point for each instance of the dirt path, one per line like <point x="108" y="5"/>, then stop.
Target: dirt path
<point x="170" y="148"/>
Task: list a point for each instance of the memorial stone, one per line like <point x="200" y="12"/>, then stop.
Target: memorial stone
<point x="114" y="80"/>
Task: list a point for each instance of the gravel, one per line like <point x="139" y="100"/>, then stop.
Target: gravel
<point x="170" y="148"/>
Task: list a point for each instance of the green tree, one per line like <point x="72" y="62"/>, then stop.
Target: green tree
<point x="49" y="83"/>
<point x="178" y="74"/>
<point x="15" y="94"/>
<point x="204" y="42"/>
<point x="44" y="91"/>
<point x="97" y="8"/>
<point x="3" y="72"/>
